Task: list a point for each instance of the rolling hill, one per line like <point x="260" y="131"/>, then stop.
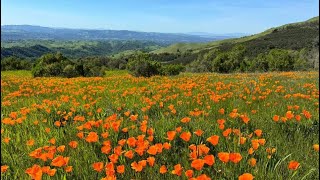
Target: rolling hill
<point x="290" y="36"/>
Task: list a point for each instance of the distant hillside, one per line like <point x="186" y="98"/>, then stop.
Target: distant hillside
<point x="27" y="32"/>
<point x="291" y="36"/>
<point x="31" y="49"/>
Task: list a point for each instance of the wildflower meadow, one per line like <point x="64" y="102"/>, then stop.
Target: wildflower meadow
<point x="191" y="126"/>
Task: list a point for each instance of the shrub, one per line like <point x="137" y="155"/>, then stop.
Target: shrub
<point x="172" y="69"/>
<point x="14" y="63"/>
<point x="70" y="71"/>
<point x="50" y="65"/>
<point x="142" y="65"/>
<point x="280" y="60"/>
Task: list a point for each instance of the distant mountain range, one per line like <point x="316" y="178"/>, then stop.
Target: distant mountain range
<point x="221" y="36"/>
<point x="28" y="32"/>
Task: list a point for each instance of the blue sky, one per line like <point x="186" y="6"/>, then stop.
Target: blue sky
<point x="175" y="16"/>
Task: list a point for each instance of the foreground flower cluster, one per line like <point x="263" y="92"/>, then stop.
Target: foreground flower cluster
<point x="207" y="126"/>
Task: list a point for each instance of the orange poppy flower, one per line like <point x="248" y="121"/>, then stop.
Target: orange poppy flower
<point x="113" y="158"/>
<point x="185" y="120"/>
<point x="189" y="173"/>
<point x="246" y="176"/>
<point x="261" y="141"/>
<point x="92" y="137"/>
<point x="255" y="144"/>
<point x="252" y="162"/>
<point x="151" y="161"/>
<point x="163" y="169"/>
<point x="120" y="169"/>
<point x="98" y="166"/>
<point x="110" y="171"/>
<point x="178" y="129"/>
<point x="293" y="165"/>
<point x="250" y="151"/>
<point x="203" y="177"/>
<point x="235" y="157"/>
<point x="185" y="136"/>
<point x="134" y="117"/>
<point x="224" y="157"/>
<point x="105" y="135"/>
<point x="52" y="141"/>
<point x="61" y="148"/>
<point x="68" y="169"/>
<point x="306" y="114"/>
<point x="197" y="164"/>
<point x="199" y="132"/>
<point x="143" y="163"/>
<point x="214" y="140"/>
<point x="289" y="115"/>
<point x="152" y="150"/>
<point x="316" y="147"/>
<point x="243" y="140"/>
<point x="122" y="142"/>
<point x="127" y="113"/>
<point x="276" y="118"/>
<point x="177" y="170"/>
<point x="4" y="168"/>
<point x="52" y="172"/>
<point x="60" y="161"/>
<point x="57" y="123"/>
<point x="136" y="166"/>
<point x="258" y="132"/>
<point x="30" y="142"/>
<point x="245" y="119"/>
<point x="129" y="154"/>
<point x="226" y="132"/>
<point x="209" y="160"/>
<point x="221" y="111"/>
<point x="171" y="135"/>
<point x="35" y="172"/>
<point x="166" y="145"/>
<point x="47" y="130"/>
<point x="80" y="135"/>
<point x="73" y="144"/>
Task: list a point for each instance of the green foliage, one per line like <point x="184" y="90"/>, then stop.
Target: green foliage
<point x="142" y="65"/>
<point x="52" y="65"/>
<point x="280" y="60"/>
<point x="172" y="69"/>
<point x="74" y="49"/>
<point x="229" y="61"/>
<point x="14" y="63"/>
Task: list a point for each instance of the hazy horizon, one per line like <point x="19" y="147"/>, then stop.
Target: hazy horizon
<point x="163" y="16"/>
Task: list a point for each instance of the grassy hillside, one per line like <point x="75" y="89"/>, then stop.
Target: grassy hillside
<point x="74" y="49"/>
<point x="292" y="34"/>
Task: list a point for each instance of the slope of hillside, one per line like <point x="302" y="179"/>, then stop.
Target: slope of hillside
<point x="74" y="49"/>
<point x="292" y="36"/>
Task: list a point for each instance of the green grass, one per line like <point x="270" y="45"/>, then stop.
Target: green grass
<point x="20" y="73"/>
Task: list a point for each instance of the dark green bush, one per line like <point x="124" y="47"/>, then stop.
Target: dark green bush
<point x="142" y="65"/>
<point x="172" y="69"/>
<point x="14" y="63"/>
<point x="51" y="65"/>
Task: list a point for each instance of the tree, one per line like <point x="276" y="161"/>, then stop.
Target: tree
<point x="142" y="65"/>
<point x="280" y="60"/>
